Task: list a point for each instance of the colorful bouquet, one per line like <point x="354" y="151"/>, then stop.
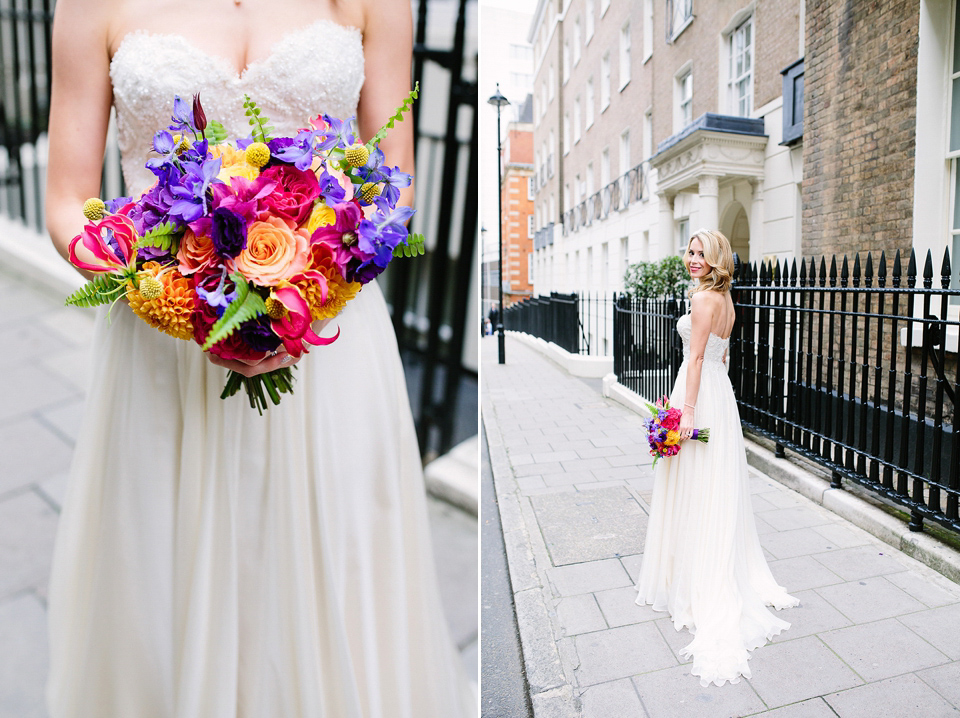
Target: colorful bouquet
<point x="240" y="245"/>
<point x="663" y="433"/>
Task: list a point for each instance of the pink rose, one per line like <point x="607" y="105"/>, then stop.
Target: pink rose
<point x="294" y="195"/>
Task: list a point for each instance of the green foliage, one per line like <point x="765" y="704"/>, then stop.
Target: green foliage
<point x="664" y="278"/>
<point x="102" y="289"/>
<point x="161" y="236"/>
<point x="414" y="247"/>
<point x="397" y="117"/>
<point x="215" y="132"/>
<point x="246" y="305"/>
<point x="260" y="125"/>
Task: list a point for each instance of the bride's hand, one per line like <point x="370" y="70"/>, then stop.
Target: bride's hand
<point x="686" y="423"/>
<point x="270" y="360"/>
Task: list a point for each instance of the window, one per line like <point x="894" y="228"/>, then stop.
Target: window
<point x="605" y="82"/>
<point x="566" y="133"/>
<point x="625" y="152"/>
<point x="648" y="134"/>
<point x="551" y="209"/>
<point x="530" y="268"/>
<point x="590" y="187"/>
<point x="589" y="22"/>
<point x="553" y="150"/>
<point x="793" y="103"/>
<point x="624" y="256"/>
<point x="624" y="55"/>
<point x="531" y="186"/>
<point x="551" y="81"/>
<point x="576" y="120"/>
<point x="683" y="235"/>
<point x="590" y="101"/>
<point x="568" y="197"/>
<point x="521" y="79"/>
<point x="647" y="29"/>
<point x="576" y="41"/>
<point x="684" y="100"/>
<point x="529" y="225"/>
<point x="605" y="167"/>
<point x="578" y="190"/>
<point x="543" y="100"/>
<point x="679" y="15"/>
<point x="521" y="53"/>
<point x="740" y="87"/>
<point x="566" y="61"/>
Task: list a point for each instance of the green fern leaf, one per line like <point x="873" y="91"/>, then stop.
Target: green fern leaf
<point x="161" y="236"/>
<point x="261" y="125"/>
<point x="413" y="247"/>
<point x="397" y="117"/>
<point x="102" y="289"/>
<point x="244" y="307"/>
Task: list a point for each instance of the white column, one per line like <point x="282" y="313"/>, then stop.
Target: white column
<point x="709" y="202"/>
<point x="758" y="245"/>
<point x="665" y="226"/>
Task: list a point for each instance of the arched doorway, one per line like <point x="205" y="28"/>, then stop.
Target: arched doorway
<point x="736" y="228"/>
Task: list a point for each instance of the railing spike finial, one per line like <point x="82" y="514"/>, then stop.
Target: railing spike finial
<point x="793" y="272"/>
<point x="945" y="269"/>
<point x="833" y="271"/>
<point x="897" y="269"/>
<point x="844" y="272"/>
<point x="803" y="271"/>
<point x="823" y="270"/>
<point x="912" y="269"/>
<point x="868" y="271"/>
<point x="928" y="269"/>
<point x="856" y="268"/>
<point x="882" y="269"/>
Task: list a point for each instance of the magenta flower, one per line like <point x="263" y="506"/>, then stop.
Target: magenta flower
<point x="294" y="328"/>
<point x="105" y="246"/>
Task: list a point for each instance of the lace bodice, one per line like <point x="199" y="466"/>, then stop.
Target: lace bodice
<point x="716" y="346"/>
<point x="315" y="69"/>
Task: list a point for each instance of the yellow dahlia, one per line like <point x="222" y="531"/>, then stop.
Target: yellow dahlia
<point x="170" y="310"/>
<point x="339" y="290"/>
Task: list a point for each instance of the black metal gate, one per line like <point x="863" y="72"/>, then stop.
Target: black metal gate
<point x="429" y="297"/>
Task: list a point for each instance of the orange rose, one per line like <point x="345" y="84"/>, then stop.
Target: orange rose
<point x="274" y="252"/>
<point x="195" y="253"/>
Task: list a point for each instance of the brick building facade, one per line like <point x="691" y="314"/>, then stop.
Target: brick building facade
<point x="517" y="212"/>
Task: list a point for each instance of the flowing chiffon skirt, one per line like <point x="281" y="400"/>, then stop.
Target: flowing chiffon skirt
<point x="213" y="563"/>
<point x="702" y="560"/>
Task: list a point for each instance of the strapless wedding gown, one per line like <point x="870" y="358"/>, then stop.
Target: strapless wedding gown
<point x="702" y="560"/>
<point x="213" y="563"/>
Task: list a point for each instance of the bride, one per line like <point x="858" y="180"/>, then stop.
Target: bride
<point x="210" y="562"/>
<point x="702" y="561"/>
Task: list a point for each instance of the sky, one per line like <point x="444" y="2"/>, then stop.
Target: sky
<point x="527" y="6"/>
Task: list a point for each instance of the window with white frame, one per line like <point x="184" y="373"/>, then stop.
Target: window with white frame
<point x="576" y="120"/>
<point x="953" y="155"/>
<point x="647" y="29"/>
<point x="553" y="151"/>
<point x="576" y="41"/>
<point x="683" y="235"/>
<point x="604" y="6"/>
<point x="589" y="12"/>
<point x="590" y="188"/>
<point x="567" y="197"/>
<point x="605" y="167"/>
<point x="566" y="133"/>
<point x="578" y="190"/>
<point x="531" y="186"/>
<point x="740" y="86"/>
<point x="588" y="109"/>
<point x="529" y="225"/>
<point x="566" y="61"/>
<point x="543" y="100"/>
<point x="624" y="55"/>
<point x="684" y="93"/>
<point x="530" y="268"/>
<point x="605" y="82"/>
<point x="624" y="255"/>
<point x="551" y="81"/>
<point x="679" y="15"/>
<point x="648" y="134"/>
<point x="624" y="152"/>
<point x="551" y="208"/>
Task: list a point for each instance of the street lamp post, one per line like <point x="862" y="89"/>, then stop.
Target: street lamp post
<point x="499" y="101"/>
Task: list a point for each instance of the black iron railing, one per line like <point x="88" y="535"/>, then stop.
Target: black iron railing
<point x="580" y="323"/>
<point x="853" y="366"/>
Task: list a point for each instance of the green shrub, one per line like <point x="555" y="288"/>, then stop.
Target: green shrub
<point x="666" y="277"/>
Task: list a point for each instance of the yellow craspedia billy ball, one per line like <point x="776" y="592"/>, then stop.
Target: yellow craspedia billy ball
<point x="94" y="209"/>
<point x="150" y="287"/>
<point x="258" y="154"/>
<point x="357" y="154"/>
<point x="369" y="190"/>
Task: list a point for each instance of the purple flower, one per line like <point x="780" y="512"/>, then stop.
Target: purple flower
<point x="258" y="335"/>
<point x="330" y="189"/>
<point x="217" y="297"/>
<point x="114" y="205"/>
<point x="336" y="134"/>
<point x="182" y="115"/>
<point x="297" y="151"/>
<point x="191" y="193"/>
<point x="229" y="232"/>
<point x="390" y="178"/>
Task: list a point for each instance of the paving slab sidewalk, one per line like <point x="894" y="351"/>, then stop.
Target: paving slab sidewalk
<point x="44" y="364"/>
<point x="876" y="633"/>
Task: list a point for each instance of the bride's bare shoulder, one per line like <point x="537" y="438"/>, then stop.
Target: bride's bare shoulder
<point x="364" y="13"/>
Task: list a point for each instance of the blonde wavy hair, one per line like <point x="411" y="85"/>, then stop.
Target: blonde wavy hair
<point x="718" y="254"/>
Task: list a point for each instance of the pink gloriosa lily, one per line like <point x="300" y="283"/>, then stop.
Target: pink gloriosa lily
<point x="294" y="328"/>
<point x="91" y="250"/>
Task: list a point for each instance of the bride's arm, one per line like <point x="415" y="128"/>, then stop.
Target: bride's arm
<point x="80" y="101"/>
<point x="701" y="317"/>
<point x="388" y="53"/>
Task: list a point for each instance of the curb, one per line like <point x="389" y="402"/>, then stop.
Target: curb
<point x="588" y="367"/>
<point x="853" y="503"/>
<point x="551" y="694"/>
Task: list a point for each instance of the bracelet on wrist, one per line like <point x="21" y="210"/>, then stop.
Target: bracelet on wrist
<point x="692" y="406"/>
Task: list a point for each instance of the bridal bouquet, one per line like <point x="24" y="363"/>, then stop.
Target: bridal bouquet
<point x="240" y="244"/>
<point x="663" y="433"/>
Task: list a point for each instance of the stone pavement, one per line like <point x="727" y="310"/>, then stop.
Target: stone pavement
<point x="44" y="363"/>
<point x="877" y="633"/>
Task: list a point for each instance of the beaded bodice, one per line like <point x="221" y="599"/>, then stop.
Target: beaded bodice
<point x="716" y="346"/>
<point x="316" y="69"/>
